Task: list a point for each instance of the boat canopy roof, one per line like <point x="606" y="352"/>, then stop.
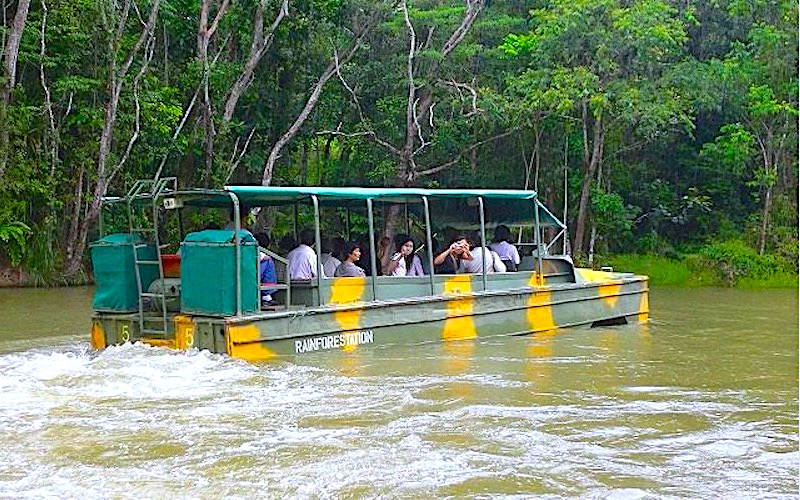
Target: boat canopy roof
<point x="257" y="194"/>
<point x="338" y="196"/>
<point x="512" y="212"/>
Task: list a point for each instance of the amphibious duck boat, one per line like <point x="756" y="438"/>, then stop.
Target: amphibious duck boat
<point x="207" y="294"/>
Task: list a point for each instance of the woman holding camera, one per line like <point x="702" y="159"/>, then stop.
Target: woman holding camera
<point x="450" y="259"/>
<point x="404" y="262"/>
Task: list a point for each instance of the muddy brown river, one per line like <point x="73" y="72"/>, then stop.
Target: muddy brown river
<point x="702" y="402"/>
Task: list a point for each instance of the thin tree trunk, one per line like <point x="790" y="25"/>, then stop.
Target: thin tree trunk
<point x="10" y="57"/>
<point x="51" y="138"/>
<point x="537" y="155"/>
<point x="76" y="213"/>
<point x="204" y="34"/>
<point x="259" y="47"/>
<point x="311" y="103"/>
<point x="762" y="240"/>
<point x="115" y="83"/>
<point x="591" y="161"/>
<point x="420" y="101"/>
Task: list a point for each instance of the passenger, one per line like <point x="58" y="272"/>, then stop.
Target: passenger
<point x="416" y="269"/>
<point x="404" y="262"/>
<point x="244" y="216"/>
<point x="348" y="267"/>
<point x="384" y="253"/>
<point x="449" y="261"/>
<point x="287" y="244"/>
<point x="364" y="262"/>
<point x="332" y="253"/>
<point x="505" y="250"/>
<point x="303" y="259"/>
<point x="267" y="273"/>
<point x="479" y="255"/>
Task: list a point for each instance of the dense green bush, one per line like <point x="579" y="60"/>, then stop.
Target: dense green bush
<point x="733" y="260"/>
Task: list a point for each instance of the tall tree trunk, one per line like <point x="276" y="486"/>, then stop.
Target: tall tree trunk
<point x="76" y="213"/>
<point x="537" y="155"/>
<point x="419" y="104"/>
<point x="10" y="65"/>
<point x="116" y="80"/>
<point x="762" y="239"/>
<point x="204" y="34"/>
<point x="261" y="44"/>
<point x="316" y="93"/>
<point x="590" y="162"/>
<point x="592" y="239"/>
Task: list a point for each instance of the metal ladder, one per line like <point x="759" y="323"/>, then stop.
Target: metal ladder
<point x="153" y="190"/>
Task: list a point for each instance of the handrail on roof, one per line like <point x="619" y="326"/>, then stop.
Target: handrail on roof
<point x="253" y="195"/>
<point x="283" y="192"/>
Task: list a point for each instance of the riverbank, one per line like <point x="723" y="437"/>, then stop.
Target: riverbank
<point x="17" y="277"/>
<point x="697" y="270"/>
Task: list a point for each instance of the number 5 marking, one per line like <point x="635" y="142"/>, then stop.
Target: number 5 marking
<point x="125" y="333"/>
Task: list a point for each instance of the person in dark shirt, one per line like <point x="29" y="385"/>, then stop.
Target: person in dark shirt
<point x="449" y="260"/>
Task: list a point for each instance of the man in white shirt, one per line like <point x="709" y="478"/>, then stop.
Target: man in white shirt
<point x="475" y="266"/>
<point x="303" y="259"/>
<point x="331" y="252"/>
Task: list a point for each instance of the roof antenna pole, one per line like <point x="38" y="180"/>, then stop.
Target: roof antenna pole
<point x="483" y="242"/>
<point x="429" y="242"/>
<point x="565" y="243"/>
<point x="538" y="240"/>
<point x="237" y="225"/>
<point x="318" y="245"/>
<point x="372" y="264"/>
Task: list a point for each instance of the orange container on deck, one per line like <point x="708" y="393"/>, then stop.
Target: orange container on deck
<point x="172" y="265"/>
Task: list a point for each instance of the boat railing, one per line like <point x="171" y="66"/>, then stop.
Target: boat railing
<point x="283" y="283"/>
<point x="333" y="291"/>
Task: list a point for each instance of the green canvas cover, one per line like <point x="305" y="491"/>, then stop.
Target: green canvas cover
<point x="208" y="273"/>
<point x="115" y="272"/>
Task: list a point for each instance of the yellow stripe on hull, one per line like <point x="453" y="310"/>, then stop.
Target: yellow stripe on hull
<point x="459" y="324"/>
<point x="244" y="342"/>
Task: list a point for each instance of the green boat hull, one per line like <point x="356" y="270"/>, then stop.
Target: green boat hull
<point x="465" y="308"/>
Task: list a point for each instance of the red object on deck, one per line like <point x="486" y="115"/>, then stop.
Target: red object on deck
<point x="171" y="263"/>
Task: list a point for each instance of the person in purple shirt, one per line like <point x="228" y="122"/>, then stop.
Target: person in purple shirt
<point x="508" y="253"/>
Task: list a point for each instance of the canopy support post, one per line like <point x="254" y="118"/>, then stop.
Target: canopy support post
<point x="237" y="227"/>
<point x="429" y="242"/>
<point x="372" y="265"/>
<point x="483" y="240"/>
<point x="317" y="246"/>
<point x="538" y="240"/>
<point x="294" y="223"/>
<point x="181" y="229"/>
<point x="347" y="224"/>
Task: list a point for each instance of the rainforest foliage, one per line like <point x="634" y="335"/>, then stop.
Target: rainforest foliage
<point x="672" y="124"/>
